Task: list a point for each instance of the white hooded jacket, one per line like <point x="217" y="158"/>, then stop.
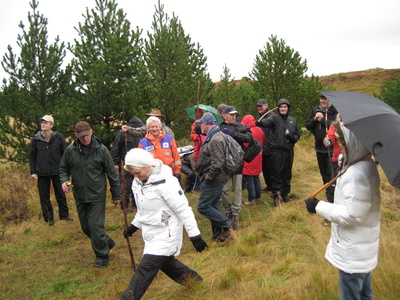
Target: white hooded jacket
<point x="162" y="211"/>
<point x="355" y="215"/>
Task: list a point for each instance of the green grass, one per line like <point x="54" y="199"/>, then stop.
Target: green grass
<point x="275" y="254"/>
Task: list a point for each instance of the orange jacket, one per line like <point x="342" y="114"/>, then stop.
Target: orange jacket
<point x="167" y="152"/>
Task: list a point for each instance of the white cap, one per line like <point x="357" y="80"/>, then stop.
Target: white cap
<point x="137" y="157"/>
<point x="48" y="118"/>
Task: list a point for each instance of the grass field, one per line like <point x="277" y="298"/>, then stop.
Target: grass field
<point x="275" y="254"/>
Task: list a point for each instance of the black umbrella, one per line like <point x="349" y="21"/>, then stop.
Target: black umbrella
<point x="376" y="124"/>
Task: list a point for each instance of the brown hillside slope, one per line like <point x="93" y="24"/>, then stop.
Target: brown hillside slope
<point x="367" y="81"/>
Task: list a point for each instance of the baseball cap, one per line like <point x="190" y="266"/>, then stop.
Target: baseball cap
<point x="230" y="110"/>
<point x="207" y="119"/>
<point x="262" y="102"/>
<point x="82" y="128"/>
<point x="48" y="118"/>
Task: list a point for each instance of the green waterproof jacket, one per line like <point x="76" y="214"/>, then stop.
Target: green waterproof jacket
<point x="88" y="167"/>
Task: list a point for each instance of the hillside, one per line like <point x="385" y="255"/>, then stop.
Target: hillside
<point x="367" y="81"/>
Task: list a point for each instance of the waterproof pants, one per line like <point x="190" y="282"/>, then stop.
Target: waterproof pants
<point x="266" y="170"/>
<point x="233" y="206"/>
<point x="209" y="206"/>
<point x="148" y="269"/>
<point x="44" y="194"/>
<point x="281" y="171"/>
<point x="92" y="217"/>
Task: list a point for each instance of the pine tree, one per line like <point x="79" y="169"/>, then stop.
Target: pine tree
<point x="36" y="85"/>
<point x="110" y="69"/>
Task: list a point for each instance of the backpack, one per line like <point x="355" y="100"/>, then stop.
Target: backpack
<point x="234" y="156"/>
<point x="252" y="150"/>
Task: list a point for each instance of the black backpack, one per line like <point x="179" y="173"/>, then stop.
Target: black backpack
<point x="234" y="156"/>
<point x="252" y="150"/>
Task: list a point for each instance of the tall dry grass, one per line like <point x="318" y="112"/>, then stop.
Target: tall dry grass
<point x="276" y="253"/>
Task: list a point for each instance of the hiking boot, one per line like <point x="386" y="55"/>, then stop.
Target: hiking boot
<point x="51" y="223"/>
<point x="277" y="199"/>
<point x="232" y="225"/>
<point x="250" y="203"/>
<point x="228" y="214"/>
<point x="287" y="199"/>
<point x="235" y="218"/>
<point x="68" y="219"/>
<point x="101" y="262"/>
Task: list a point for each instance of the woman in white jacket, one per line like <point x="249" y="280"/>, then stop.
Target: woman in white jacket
<point x="162" y="212"/>
<point x="355" y="217"/>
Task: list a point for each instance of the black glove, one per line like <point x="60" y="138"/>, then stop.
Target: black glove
<point x="311" y="204"/>
<point x="198" y="243"/>
<point x="228" y="132"/>
<point x="178" y="176"/>
<point x="131" y="230"/>
<point x="197" y="129"/>
<point x="259" y="124"/>
<point x="290" y="138"/>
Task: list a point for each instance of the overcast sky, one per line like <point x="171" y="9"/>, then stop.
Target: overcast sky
<point x="333" y="36"/>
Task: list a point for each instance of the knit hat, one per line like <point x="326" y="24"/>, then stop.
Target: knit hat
<point x="138" y="157"/>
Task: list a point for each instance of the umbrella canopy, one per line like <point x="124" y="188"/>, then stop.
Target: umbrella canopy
<point x="376" y="124"/>
<point x="205" y="108"/>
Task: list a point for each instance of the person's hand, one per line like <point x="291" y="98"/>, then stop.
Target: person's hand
<point x="198" y="243"/>
<point x="259" y="124"/>
<point x="67" y="186"/>
<point x="197" y="129"/>
<point x="311" y="204"/>
<point x="124" y="128"/>
<point x="290" y="138"/>
<point x="327" y="142"/>
<point x="178" y="176"/>
<point x="116" y="202"/>
<point x="319" y="116"/>
<point x="34" y="176"/>
<point x="228" y="132"/>
<point x="131" y="230"/>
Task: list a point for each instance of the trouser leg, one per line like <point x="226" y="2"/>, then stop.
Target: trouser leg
<point x="92" y="218"/>
<point x="226" y="203"/>
<point x="44" y="194"/>
<point x="61" y="198"/>
<point x="266" y="169"/>
<point x="236" y="204"/>
<point x="355" y="286"/>
<point x="250" y="187"/>
<point x="209" y="206"/>
<point x="178" y="271"/>
<point x="287" y="173"/>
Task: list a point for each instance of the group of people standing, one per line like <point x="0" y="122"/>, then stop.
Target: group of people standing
<point x="147" y="158"/>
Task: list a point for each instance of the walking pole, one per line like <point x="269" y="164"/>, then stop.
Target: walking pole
<point x="266" y="113"/>
<point x="133" y="265"/>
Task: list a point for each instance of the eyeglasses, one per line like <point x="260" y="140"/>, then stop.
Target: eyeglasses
<point x="259" y="105"/>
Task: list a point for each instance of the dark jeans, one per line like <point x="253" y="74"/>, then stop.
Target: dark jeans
<point x="356" y="286"/>
<point x="44" y="193"/>
<point x="326" y="170"/>
<point x="92" y="216"/>
<point x="253" y="186"/>
<point x="209" y="205"/>
<point x="148" y="269"/>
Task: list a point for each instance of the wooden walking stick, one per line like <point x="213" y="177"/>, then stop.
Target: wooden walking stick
<point x="271" y="110"/>
<point x="133" y="265"/>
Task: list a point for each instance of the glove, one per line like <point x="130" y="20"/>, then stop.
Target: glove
<point x="228" y="132"/>
<point x="311" y="204"/>
<point x="290" y="138"/>
<point x="178" y="176"/>
<point x="197" y="129"/>
<point x="131" y="230"/>
<point x="198" y="243"/>
<point x="327" y="142"/>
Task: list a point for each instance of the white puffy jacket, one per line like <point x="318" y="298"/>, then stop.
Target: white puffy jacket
<point x="355" y="215"/>
<point x="162" y="211"/>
